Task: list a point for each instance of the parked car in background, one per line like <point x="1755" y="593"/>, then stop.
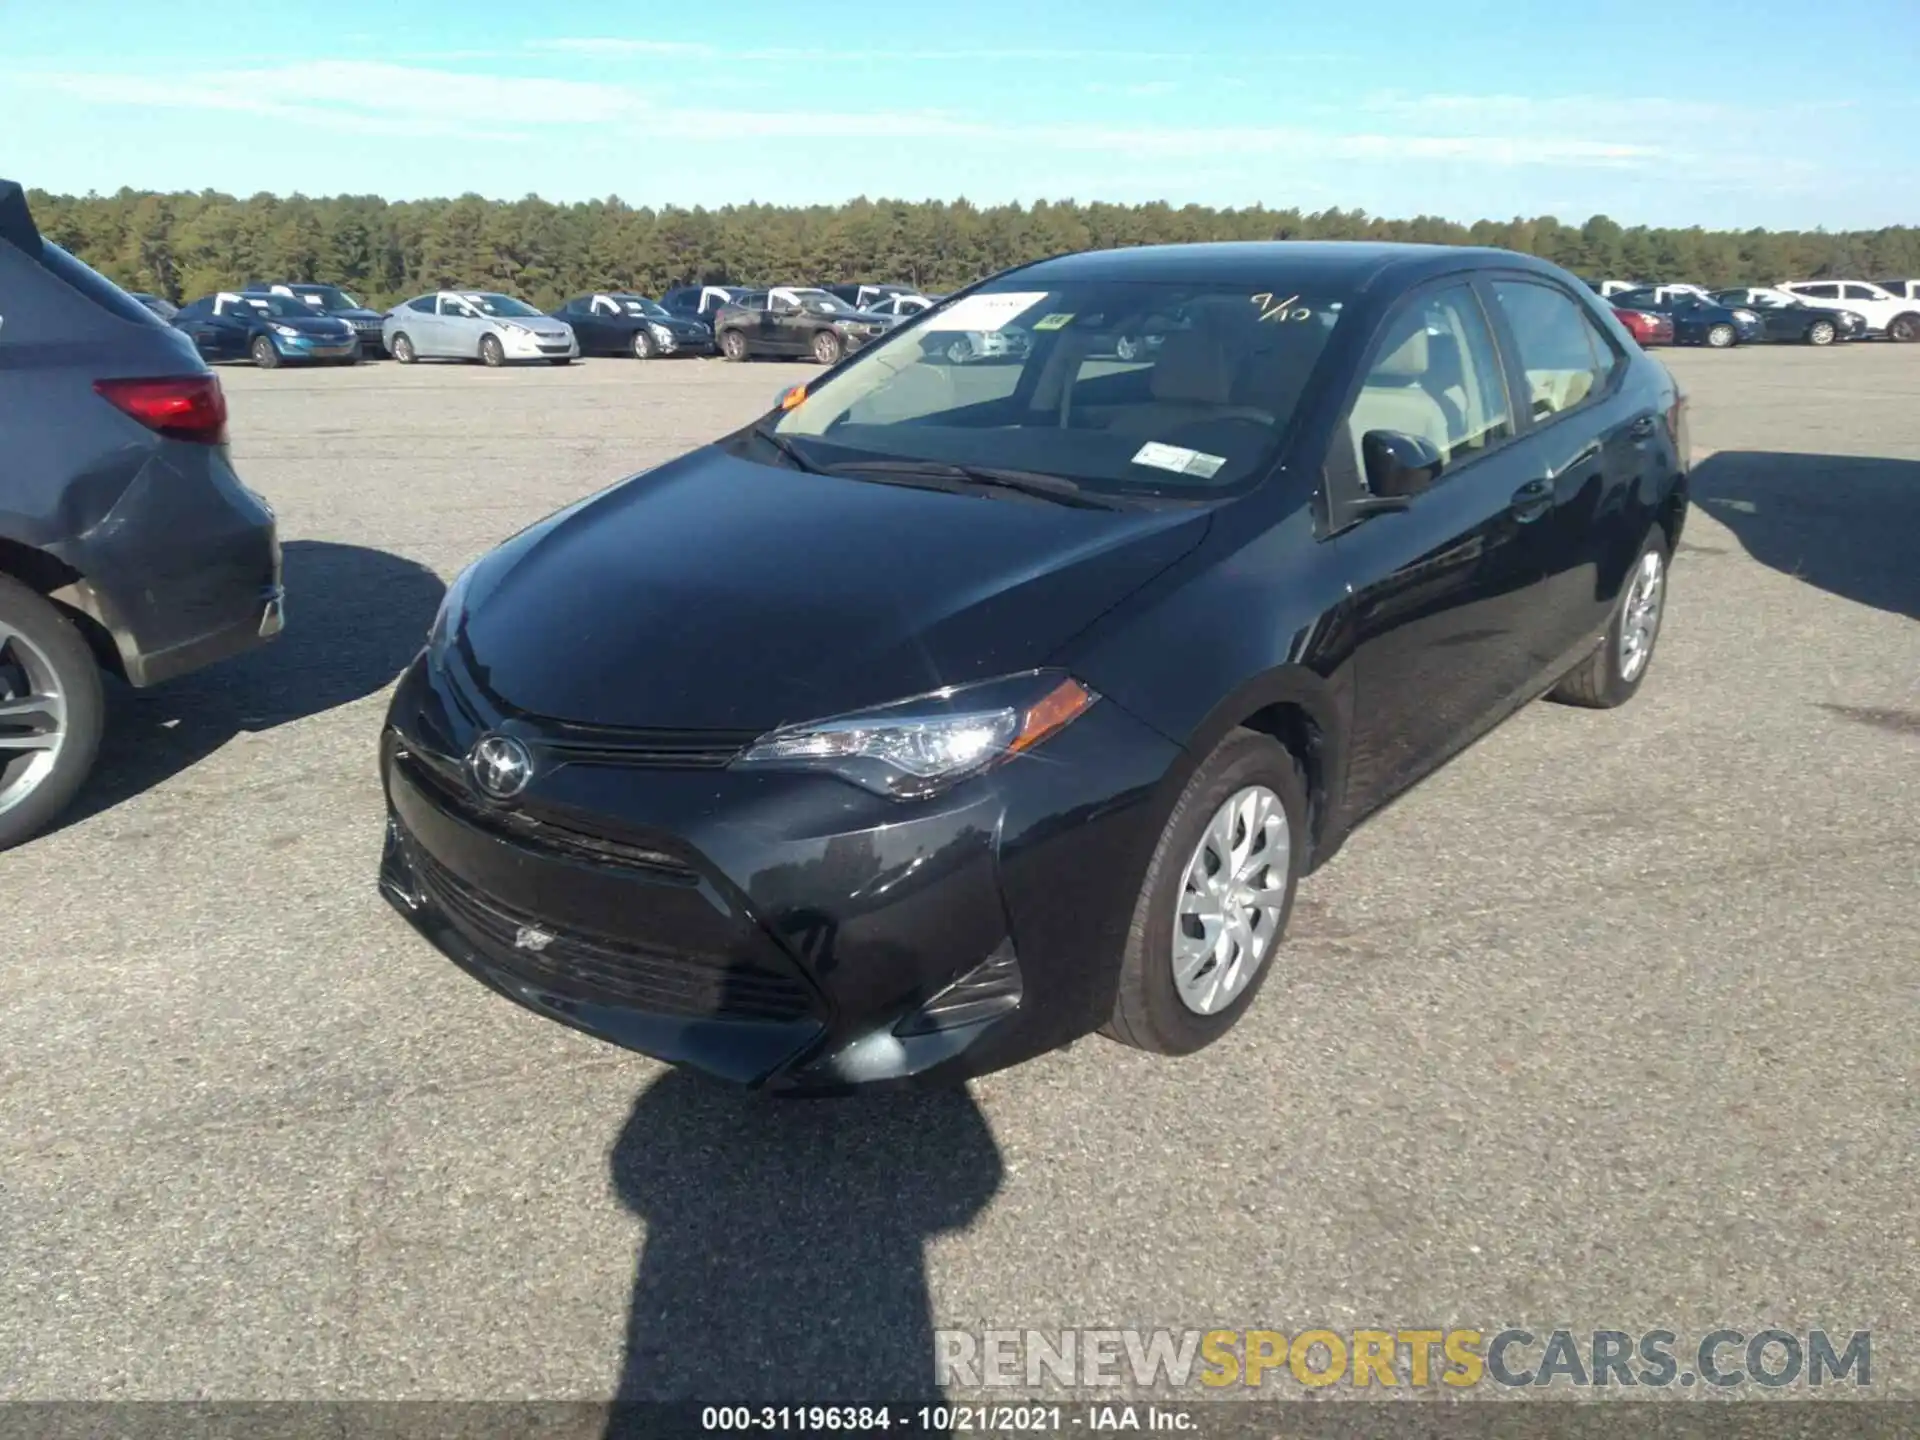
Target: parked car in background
<point x="902" y="307"/>
<point x="126" y="539"/>
<point x="1649" y="327"/>
<point x="164" y="308"/>
<point x="478" y="325"/>
<point x="270" y="330"/>
<point x="1608" y="288"/>
<point x="866" y="297"/>
<point x="1697" y="320"/>
<point x="1787" y="320"/>
<point x="1894" y="316"/>
<point x="795" y="320"/>
<point x="620" y="323"/>
<point x="330" y="300"/>
<point x="1024" y="708"/>
<point x="701" y="302"/>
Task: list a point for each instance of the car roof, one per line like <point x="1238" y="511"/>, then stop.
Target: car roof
<point x="1252" y="262"/>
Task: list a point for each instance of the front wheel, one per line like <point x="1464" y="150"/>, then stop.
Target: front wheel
<point x="264" y="354"/>
<point x="492" y="353"/>
<point x="1721" y="336"/>
<point x="733" y="345"/>
<point x="1214" y="905"/>
<point x="826" y="348"/>
<point x="642" y="345"/>
<point x="1904" y="328"/>
<point x="1821" y="332"/>
<point x="959" y="350"/>
<point x="1611" y="675"/>
<point x="402" y="350"/>
<point x="1127" y="348"/>
<point x="51" y="712"/>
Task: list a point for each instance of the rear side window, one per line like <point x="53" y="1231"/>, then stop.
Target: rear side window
<point x="1857" y="292"/>
<point x="95" y="286"/>
<point x="1821" y="292"/>
<point x="424" y="304"/>
<point x="1566" y="359"/>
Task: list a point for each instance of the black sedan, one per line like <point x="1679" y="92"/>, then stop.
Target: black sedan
<point x="1794" y="322"/>
<point x="618" y="323"/>
<point x="270" y="330"/>
<point x="1696" y="320"/>
<point x="940" y="717"/>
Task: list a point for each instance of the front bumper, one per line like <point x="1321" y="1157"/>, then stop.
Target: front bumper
<point x="307" y="347"/>
<point x="784" y="931"/>
<point x="534" y="347"/>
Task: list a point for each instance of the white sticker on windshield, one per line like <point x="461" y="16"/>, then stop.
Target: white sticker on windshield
<point x="1179" y="459"/>
<point x="984" y="312"/>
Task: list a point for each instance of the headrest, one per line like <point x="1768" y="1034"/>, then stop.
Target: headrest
<point x="1192" y="369"/>
<point x="1408" y="361"/>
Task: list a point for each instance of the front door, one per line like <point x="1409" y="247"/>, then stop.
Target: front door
<point x="1441" y="628"/>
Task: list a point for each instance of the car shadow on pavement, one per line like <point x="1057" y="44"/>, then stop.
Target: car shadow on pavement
<point x="1843" y="523"/>
<point x="784" y="1258"/>
<point x="355" y="617"/>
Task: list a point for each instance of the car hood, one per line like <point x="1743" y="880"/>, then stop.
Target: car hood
<point x="717" y="593"/>
<point x="318" y="326"/>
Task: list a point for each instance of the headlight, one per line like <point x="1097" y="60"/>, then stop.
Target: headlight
<point x="919" y="747"/>
<point x="1746" y="315"/>
<point x="1852" y="319"/>
<point x="661" y="333"/>
<point x="286" y="330"/>
<point x="516" y="329"/>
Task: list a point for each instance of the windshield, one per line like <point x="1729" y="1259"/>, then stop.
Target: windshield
<point x="490" y="304"/>
<point x="328" y="297"/>
<point x="636" y="305"/>
<point x="278" y="305"/>
<point x="821" y="303"/>
<point x="1120" y="387"/>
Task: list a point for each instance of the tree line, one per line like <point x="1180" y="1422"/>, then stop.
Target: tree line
<point x="185" y="245"/>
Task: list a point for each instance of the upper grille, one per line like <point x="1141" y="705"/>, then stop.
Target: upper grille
<point x="603" y="969"/>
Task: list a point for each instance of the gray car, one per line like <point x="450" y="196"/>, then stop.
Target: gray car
<point x="126" y="539"/>
<point x="478" y="325"/>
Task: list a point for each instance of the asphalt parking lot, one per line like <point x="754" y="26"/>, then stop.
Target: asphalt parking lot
<point x="1610" y="1024"/>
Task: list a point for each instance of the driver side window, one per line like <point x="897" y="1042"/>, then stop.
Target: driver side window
<point x="1437" y="377"/>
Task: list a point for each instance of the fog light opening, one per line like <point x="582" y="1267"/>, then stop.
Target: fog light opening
<point x="991" y="989"/>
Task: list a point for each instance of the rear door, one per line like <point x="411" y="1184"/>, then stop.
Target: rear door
<point x="1444" y="590"/>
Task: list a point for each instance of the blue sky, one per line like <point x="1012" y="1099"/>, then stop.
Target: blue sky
<point x="1682" y="112"/>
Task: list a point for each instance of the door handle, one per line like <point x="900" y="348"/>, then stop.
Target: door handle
<point x="1643" y="427"/>
<point x="1532" y="500"/>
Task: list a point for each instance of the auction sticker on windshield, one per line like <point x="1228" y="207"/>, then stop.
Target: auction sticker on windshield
<point x="1179" y="459"/>
<point x="984" y="312"/>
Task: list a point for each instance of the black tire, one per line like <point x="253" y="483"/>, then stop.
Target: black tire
<point x="1597" y="683"/>
<point x="265" y="355"/>
<point x="733" y="345"/>
<point x="402" y="350"/>
<point x="55" y="638"/>
<point x="1148" y="1012"/>
<point x="1721" y="337"/>
<point x="492" y="353"/>
<point x="642" y="345"/>
<point x="1904" y="328"/>
<point x="827" y="348"/>
<point x="1821" y="332"/>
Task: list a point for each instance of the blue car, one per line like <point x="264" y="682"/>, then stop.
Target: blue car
<point x="1697" y="319"/>
<point x="269" y="330"/>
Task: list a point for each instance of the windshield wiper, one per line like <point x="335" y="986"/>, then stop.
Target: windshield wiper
<point x="787" y="448"/>
<point x="1026" y="482"/>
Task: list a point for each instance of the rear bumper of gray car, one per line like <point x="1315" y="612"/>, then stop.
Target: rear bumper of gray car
<point x="187" y="573"/>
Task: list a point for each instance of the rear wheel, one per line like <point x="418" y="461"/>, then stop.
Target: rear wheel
<point x="1721" y="336"/>
<point x="826" y="347"/>
<point x="51" y="711"/>
<point x="1904" y="328"/>
<point x="1821" y="332"/>
<point x="733" y="345"/>
<point x="1611" y="676"/>
<point x="492" y="353"/>
<point x="402" y="350"/>
<point x="1215" y="901"/>
<point x="959" y="350"/>
<point x="1127" y="348"/>
<point x="642" y="345"/>
<point x="264" y="353"/>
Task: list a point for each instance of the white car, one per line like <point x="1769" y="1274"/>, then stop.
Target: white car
<point x="900" y="307"/>
<point x="1894" y="316"/>
<point x="1905" y="289"/>
<point x="476" y="325"/>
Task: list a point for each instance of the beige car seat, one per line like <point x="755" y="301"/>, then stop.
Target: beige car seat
<point x="1394" y="397"/>
<point x="1192" y="381"/>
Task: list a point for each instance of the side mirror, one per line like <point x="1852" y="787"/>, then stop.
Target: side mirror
<point x="1399" y="466"/>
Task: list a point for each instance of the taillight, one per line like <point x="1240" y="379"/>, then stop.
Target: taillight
<point x="183" y="407"/>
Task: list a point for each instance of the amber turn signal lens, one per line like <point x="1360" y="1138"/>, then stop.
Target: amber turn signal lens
<point x="1054" y="709"/>
<point x="793" y="397"/>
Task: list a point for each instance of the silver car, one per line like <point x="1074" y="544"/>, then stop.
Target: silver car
<point x="476" y="325"/>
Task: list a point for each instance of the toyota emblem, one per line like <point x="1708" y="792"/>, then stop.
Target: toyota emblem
<point x="499" y="766"/>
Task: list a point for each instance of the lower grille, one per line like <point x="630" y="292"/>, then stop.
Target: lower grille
<point x="603" y="969"/>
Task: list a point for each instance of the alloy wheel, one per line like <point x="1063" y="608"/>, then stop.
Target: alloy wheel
<point x="1720" y="336"/>
<point x="959" y="351"/>
<point x="1821" y="333"/>
<point x="33" y="717"/>
<point x="1231" y="898"/>
<point x="1640" y="615"/>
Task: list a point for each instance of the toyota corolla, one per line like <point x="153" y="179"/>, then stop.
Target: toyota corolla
<point x="945" y="715"/>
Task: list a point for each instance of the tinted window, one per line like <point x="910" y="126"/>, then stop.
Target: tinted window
<point x="1436" y="375"/>
<point x="198" y="310"/>
<point x="1565" y="358"/>
<point x="424" y="304"/>
<point x="1820" y="292"/>
<point x="1857" y="292"/>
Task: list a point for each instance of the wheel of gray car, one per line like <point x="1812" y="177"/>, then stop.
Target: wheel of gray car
<point x="264" y="353"/>
<point x="402" y="350"/>
<point x="826" y="347"/>
<point x="1721" y="336"/>
<point x="51" y="712"/>
<point x="959" y="350"/>
<point x="642" y="345"/>
<point x="733" y="345"/>
<point x="1821" y="332"/>
<point x="1904" y="328"/>
<point x="492" y="353"/>
<point x="1216" y="898"/>
<point x="1611" y="675"/>
<point x="1127" y="348"/>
